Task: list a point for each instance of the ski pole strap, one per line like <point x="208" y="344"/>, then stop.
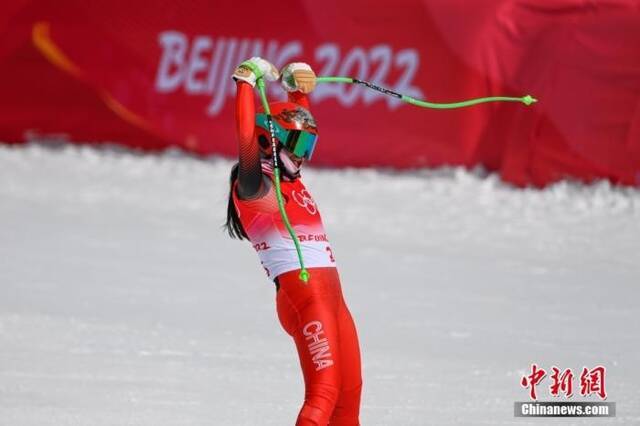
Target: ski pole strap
<point x="304" y="274"/>
<point x="527" y="100"/>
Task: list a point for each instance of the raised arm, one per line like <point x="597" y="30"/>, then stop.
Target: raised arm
<point x="249" y="167"/>
<point x="297" y="78"/>
<point x="250" y="179"/>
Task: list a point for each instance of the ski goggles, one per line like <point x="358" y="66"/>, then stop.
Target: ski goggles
<point x="298" y="142"/>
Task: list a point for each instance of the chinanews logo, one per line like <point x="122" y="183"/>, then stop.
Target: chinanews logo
<point x="590" y="383"/>
<point x="201" y="65"/>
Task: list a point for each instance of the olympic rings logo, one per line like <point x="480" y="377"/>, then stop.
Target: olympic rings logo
<point x="304" y="200"/>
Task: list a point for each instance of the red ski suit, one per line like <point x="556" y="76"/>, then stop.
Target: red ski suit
<point x="314" y="314"/>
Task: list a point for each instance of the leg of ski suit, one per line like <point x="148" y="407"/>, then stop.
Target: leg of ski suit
<point x="316" y="316"/>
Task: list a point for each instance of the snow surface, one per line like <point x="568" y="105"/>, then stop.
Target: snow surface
<point x="122" y="302"/>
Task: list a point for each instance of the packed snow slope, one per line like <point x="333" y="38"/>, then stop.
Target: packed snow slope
<point x="122" y="302"/>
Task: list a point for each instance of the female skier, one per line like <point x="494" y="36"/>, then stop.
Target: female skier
<point x="313" y="313"/>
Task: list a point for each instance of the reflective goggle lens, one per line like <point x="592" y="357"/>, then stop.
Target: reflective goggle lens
<point x="298" y="142"/>
<point x="301" y="143"/>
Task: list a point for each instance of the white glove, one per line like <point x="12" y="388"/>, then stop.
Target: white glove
<point x="252" y="69"/>
<point x="298" y="76"/>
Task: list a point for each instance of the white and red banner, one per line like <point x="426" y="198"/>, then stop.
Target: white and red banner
<point x="157" y="74"/>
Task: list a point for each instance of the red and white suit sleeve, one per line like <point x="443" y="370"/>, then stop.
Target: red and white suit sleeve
<point x="250" y="169"/>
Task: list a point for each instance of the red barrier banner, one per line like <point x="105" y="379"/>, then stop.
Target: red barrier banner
<point x="158" y="75"/>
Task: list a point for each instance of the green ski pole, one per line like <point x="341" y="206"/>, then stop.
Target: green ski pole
<point x="304" y="274"/>
<point x="527" y="100"/>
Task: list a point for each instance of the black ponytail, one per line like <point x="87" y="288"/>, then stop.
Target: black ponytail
<point x="233" y="225"/>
